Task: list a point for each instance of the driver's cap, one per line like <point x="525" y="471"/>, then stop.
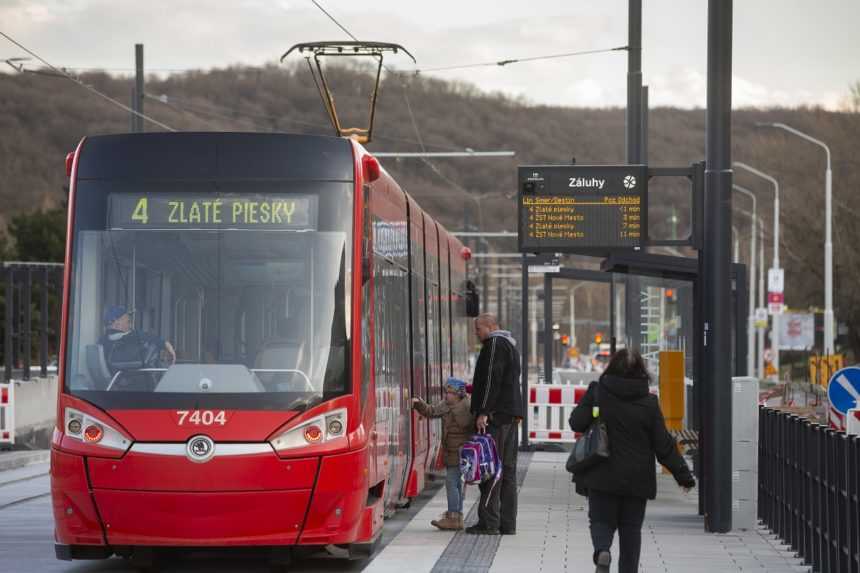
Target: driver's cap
<point x="114" y="312"/>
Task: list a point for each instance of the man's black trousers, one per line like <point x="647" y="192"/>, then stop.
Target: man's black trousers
<point x="498" y="506"/>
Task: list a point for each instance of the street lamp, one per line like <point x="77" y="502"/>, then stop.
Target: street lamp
<point x="759" y="330"/>
<point x="751" y="316"/>
<point x="774" y="329"/>
<point x="828" y="235"/>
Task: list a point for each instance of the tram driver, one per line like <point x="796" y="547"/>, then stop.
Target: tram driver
<point x="126" y="348"/>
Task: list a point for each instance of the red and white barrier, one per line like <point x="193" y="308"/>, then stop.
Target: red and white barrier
<point x="7" y="413"/>
<point x="852" y="426"/>
<point x="549" y="409"/>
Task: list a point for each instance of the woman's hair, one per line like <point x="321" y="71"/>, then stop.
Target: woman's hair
<point x="627" y="364"/>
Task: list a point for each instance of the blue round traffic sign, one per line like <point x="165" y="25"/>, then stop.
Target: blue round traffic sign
<point x="843" y="391"/>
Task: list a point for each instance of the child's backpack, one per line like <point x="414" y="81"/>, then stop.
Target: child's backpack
<point x="479" y="460"/>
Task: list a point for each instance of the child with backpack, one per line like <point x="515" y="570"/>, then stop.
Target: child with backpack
<point x="457" y="427"/>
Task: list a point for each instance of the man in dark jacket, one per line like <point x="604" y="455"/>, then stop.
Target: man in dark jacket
<point x="497" y="404"/>
<point x="618" y="488"/>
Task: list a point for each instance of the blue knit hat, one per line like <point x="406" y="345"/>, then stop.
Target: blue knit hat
<point x="456" y="385"/>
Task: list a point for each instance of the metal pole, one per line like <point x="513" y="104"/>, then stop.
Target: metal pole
<point x="26" y="299"/>
<point x="717" y="328"/>
<point x="43" y="325"/>
<point x="634" y="82"/>
<point x="613" y="341"/>
<point x="828" y="238"/>
<point x="751" y="318"/>
<point x="645" y="112"/>
<point x="761" y="331"/>
<point x="829" y="323"/>
<point x="499" y="308"/>
<point x="7" y="334"/>
<point x="524" y="374"/>
<point x="138" y="87"/>
<point x="774" y="329"/>
<point x="547" y="329"/>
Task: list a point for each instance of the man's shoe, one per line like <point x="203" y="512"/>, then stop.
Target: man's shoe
<point x="604" y="559"/>
<point x="479" y="529"/>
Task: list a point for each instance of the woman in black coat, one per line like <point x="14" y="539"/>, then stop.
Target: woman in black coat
<point x="619" y="487"/>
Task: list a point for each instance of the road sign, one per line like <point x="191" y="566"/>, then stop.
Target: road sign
<point x="761" y="317"/>
<point x="576" y="208"/>
<point x="797" y="331"/>
<point x="776" y="280"/>
<point x="843" y="391"/>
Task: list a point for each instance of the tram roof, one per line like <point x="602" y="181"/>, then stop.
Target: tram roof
<point x="216" y="156"/>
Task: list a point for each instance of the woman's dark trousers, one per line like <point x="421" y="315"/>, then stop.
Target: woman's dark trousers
<point x="608" y="512"/>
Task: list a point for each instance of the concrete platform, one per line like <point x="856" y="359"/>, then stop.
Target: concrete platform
<point x="553" y="537"/>
<point x="14" y="459"/>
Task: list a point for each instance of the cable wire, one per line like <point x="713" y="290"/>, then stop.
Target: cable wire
<point x="521" y="60"/>
<point x="426" y="161"/>
<point x="86" y="86"/>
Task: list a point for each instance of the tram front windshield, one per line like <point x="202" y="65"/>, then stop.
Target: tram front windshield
<point x="233" y="297"/>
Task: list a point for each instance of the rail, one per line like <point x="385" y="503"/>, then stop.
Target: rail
<point x="809" y="489"/>
<point x="31" y="296"/>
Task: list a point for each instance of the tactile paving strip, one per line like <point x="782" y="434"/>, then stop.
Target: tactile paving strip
<point x="475" y="553"/>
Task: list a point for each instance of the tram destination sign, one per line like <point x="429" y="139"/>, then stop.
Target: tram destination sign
<point x="582" y="208"/>
<point x="159" y="211"/>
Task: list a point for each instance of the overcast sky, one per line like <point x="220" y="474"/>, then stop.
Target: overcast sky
<point x="786" y="52"/>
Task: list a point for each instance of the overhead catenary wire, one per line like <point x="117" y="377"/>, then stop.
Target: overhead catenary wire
<point x="403" y="84"/>
<point x="500" y="63"/>
<point x="86" y="86"/>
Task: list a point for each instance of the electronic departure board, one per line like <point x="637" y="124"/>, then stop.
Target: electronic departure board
<point x="569" y="208"/>
<point x="161" y="211"/>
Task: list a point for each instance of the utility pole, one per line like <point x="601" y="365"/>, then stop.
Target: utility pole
<point x="716" y="265"/>
<point x="634" y="140"/>
<point x="137" y="97"/>
<point x="645" y="112"/>
<point x="634" y="82"/>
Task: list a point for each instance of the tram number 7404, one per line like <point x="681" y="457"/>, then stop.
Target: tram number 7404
<point x="201" y="417"/>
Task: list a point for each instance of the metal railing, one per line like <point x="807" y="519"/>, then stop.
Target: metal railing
<point x="31" y="295"/>
<point x="809" y="489"/>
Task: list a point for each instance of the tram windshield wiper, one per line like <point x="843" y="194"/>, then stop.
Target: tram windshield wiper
<point x="303" y="404"/>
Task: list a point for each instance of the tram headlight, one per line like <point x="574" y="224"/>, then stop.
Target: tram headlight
<point x="92" y="431"/>
<point x="317" y="430"/>
<point x="335" y="427"/>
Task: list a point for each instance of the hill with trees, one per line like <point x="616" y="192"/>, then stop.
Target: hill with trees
<point x="42" y="118"/>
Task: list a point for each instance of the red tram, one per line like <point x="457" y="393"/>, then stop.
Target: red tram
<point x="283" y="301"/>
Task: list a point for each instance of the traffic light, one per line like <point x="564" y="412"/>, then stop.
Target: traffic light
<point x="598" y="338"/>
<point x="671" y="295"/>
<point x="565" y="340"/>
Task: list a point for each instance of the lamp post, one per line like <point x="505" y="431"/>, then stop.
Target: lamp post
<point x="751" y="316"/>
<point x="828" y="235"/>
<point x="774" y="329"/>
<point x="759" y="330"/>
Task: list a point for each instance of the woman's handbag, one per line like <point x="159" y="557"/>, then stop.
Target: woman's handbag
<point x="593" y="446"/>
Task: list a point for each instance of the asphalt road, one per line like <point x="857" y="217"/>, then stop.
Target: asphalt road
<point x="27" y="543"/>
